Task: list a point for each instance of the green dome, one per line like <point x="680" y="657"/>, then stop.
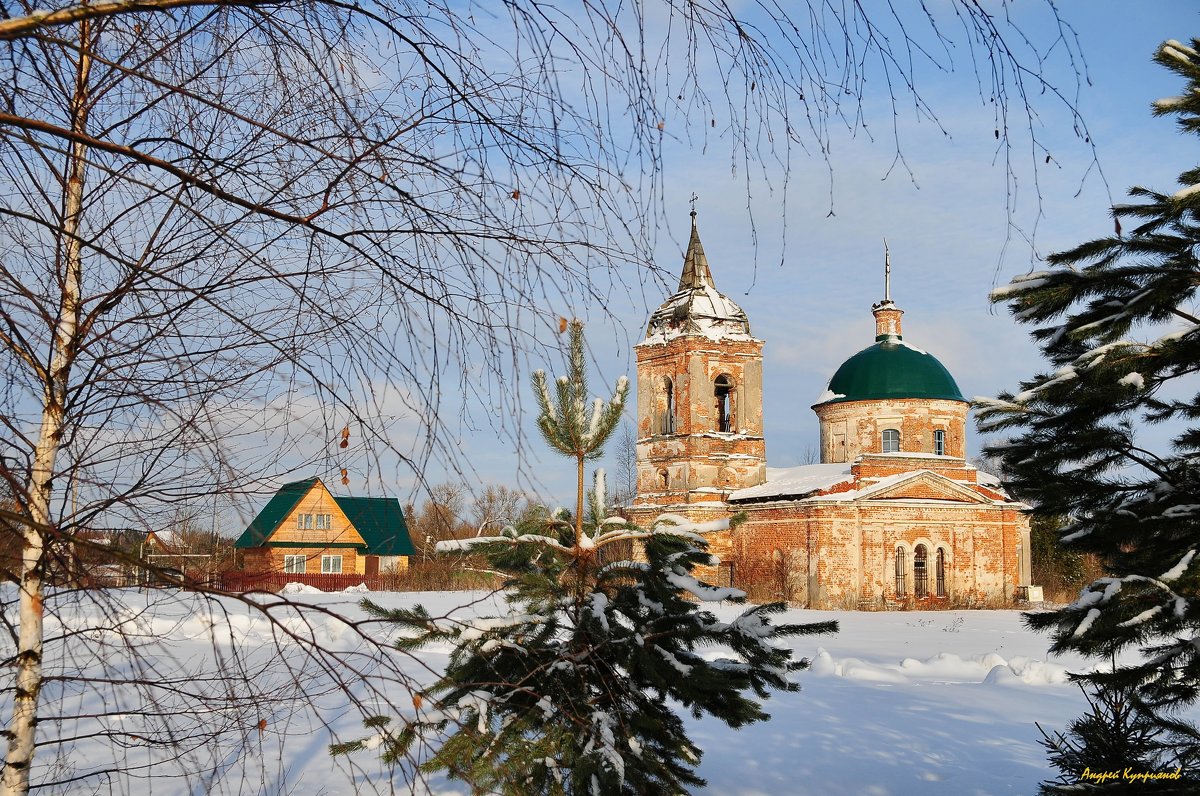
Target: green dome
<point x="890" y="369"/>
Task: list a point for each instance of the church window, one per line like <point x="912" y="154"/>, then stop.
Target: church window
<point x="723" y="393"/>
<point x="941" y="572"/>
<point x="901" y="573"/>
<point x="664" y="478"/>
<point x="939" y="442"/>
<point x="891" y="440"/>
<point x="667" y="426"/>
<point x="920" y="572"/>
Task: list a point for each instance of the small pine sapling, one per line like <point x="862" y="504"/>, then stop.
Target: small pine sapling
<point x="1119" y="746"/>
<point x="574" y="690"/>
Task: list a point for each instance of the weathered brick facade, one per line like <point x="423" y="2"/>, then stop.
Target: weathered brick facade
<point x="893" y="515"/>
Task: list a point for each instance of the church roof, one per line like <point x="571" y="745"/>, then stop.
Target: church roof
<point x="696" y="307"/>
<point x="794" y="482"/>
<point x="891" y="369"/>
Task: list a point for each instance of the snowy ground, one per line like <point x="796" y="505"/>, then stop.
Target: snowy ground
<point x="896" y="703"/>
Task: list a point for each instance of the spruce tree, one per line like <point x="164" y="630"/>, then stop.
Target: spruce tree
<point x="1109" y="438"/>
<point x="575" y="690"/>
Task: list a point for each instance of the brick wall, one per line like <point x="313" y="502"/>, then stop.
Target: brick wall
<point x="843" y="553"/>
<point x="688" y="459"/>
<point x="853" y="428"/>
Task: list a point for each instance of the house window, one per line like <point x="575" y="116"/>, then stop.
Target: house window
<point x="331" y="565"/>
<point x="939" y="442"/>
<point x="723" y="393"/>
<point x="920" y="572"/>
<point x="324" y="522"/>
<point x="304" y="521"/>
<point x="901" y="573"/>
<point x="891" y="440"/>
<point x="294" y="565"/>
<point x="941" y="572"/>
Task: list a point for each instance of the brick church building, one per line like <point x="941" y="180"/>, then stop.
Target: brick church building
<point x="892" y="516"/>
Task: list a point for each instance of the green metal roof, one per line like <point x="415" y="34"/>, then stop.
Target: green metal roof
<point x="379" y="521"/>
<point x="891" y="369"/>
<point x="277" y="508"/>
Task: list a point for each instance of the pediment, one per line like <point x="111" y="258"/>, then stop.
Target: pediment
<point x="921" y="485"/>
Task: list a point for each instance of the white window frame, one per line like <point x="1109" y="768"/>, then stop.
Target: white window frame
<point x="308" y="522"/>
<point x="291" y="561"/>
<point x="939" y="442"/>
<point x="883" y="442"/>
<point x="324" y="522"/>
<point x="327" y="564"/>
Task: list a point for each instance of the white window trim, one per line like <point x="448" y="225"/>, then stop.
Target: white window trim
<point x="290" y="561"/>
<point x="327" y="562"/>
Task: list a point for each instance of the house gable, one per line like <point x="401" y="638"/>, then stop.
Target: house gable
<point x="373" y="526"/>
<point x="277" y="523"/>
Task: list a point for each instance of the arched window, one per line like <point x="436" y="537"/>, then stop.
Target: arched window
<point x="901" y="573"/>
<point x="891" y="440"/>
<point x="920" y="572"/>
<point x="723" y="393"/>
<point x="667" y="426"/>
<point x="941" y="572"/>
<point x="939" y="442"/>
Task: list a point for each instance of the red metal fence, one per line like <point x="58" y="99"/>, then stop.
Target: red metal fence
<point x="274" y="581"/>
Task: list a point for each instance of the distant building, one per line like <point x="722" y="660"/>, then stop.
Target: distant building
<point x="893" y="514"/>
<point x="165" y="542"/>
<point x="306" y="530"/>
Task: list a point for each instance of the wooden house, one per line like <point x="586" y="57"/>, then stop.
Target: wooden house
<point x="306" y="530"/>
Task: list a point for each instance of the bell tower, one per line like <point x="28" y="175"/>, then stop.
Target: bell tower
<point x="699" y="396"/>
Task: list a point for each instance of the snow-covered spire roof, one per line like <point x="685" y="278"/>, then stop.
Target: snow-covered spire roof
<point x="697" y="308"/>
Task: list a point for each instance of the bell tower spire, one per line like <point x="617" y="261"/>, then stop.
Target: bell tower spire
<point x="887" y="314"/>
<point x="887" y="272"/>
<point x="696" y="274"/>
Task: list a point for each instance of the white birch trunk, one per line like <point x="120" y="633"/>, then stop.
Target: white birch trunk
<point x="22" y="727"/>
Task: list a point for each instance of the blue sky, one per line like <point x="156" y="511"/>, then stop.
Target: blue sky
<point x="807" y="277"/>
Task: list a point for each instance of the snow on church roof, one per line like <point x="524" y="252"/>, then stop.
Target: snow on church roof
<point x="697" y="307"/>
<point x="795" y="481"/>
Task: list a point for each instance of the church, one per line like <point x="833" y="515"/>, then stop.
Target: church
<point x="892" y="516"/>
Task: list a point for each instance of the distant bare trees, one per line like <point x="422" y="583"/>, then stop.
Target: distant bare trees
<point x="624" y="475"/>
<point x="230" y="229"/>
<point x="452" y="511"/>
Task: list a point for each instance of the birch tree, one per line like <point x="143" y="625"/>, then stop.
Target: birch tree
<point x="232" y="228"/>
